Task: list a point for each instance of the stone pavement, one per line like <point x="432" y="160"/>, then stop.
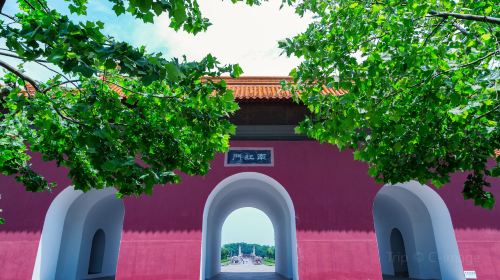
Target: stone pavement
<point x="248" y="266"/>
<point x="247" y="271"/>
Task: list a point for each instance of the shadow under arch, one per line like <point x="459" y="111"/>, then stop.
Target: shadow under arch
<point x="73" y="218"/>
<point x="250" y="189"/>
<point x="423" y="220"/>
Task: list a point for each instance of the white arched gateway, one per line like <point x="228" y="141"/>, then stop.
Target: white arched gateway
<point x="250" y="189"/>
<point x="415" y="235"/>
<point x="81" y="236"/>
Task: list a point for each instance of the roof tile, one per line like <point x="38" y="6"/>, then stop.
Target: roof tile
<point x="265" y="88"/>
<point x="258" y="88"/>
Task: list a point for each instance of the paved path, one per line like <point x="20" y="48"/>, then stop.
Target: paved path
<point x="247" y="267"/>
<point x="248" y="276"/>
<point x="247" y="271"/>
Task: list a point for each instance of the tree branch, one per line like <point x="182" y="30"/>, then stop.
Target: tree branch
<point x="466" y="33"/>
<point x="19" y="74"/>
<point x="489" y="112"/>
<point x="41" y="63"/>
<point x="58" y="112"/>
<point x="477" y="60"/>
<point x="18" y="57"/>
<point x="434" y="30"/>
<point x="61" y="74"/>
<point x="29" y="4"/>
<point x="139" y="93"/>
<point x="465" y="17"/>
<point x="38" y="61"/>
<point x="43" y="6"/>
<point x="7" y="16"/>
<point x="60" y="84"/>
<point x="433" y="76"/>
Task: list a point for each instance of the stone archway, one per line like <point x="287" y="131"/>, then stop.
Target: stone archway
<point x="422" y="219"/>
<point x="250" y="189"/>
<point x="69" y="231"/>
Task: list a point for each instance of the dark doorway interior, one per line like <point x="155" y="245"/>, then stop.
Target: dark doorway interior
<point x="399" y="259"/>
<point x="97" y="252"/>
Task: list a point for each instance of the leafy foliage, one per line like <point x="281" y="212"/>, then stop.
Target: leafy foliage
<point x="113" y="115"/>
<point x="224" y="253"/>
<point x="270" y="253"/>
<point x="423" y="86"/>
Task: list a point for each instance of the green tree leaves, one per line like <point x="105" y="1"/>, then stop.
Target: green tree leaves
<point x="182" y="13"/>
<point x="423" y="86"/>
<point x="115" y="115"/>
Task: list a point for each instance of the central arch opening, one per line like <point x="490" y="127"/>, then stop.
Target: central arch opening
<point x="256" y="190"/>
<point x="247" y="242"/>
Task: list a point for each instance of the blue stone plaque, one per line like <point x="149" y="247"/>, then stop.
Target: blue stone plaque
<point x="249" y="157"/>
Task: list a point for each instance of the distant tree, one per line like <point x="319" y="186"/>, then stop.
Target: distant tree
<point x="270" y="253"/>
<point x="423" y="84"/>
<point x="224" y="253"/>
<point x="246" y="248"/>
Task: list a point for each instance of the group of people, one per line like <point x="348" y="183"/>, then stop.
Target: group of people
<point x="256" y="260"/>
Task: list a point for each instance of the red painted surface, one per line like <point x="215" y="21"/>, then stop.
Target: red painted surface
<point x="331" y="193"/>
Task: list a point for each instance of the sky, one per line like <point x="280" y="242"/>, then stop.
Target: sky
<point x="239" y="34"/>
<point x="248" y="225"/>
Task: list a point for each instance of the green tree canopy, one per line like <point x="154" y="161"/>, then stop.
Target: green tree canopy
<point x="270" y="253"/>
<point x="224" y="253"/>
<point x="113" y="114"/>
<point x="423" y="86"/>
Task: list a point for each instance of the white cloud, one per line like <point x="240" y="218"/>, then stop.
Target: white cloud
<point x="239" y="34"/>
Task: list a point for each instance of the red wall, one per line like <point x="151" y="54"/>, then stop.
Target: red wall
<point x="331" y="193"/>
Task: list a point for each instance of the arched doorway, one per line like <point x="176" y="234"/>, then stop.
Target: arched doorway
<point x="81" y="236"/>
<point x="247" y="240"/>
<point x="398" y="255"/>
<point x="97" y="252"/>
<point x="412" y="220"/>
<point x="250" y="189"/>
